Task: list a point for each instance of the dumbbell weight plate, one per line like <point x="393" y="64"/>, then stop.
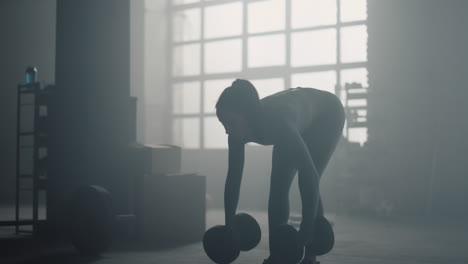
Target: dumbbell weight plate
<point x="286" y="247"/>
<point x="220" y="245"/>
<point x="91" y="220"/>
<point x="247" y="231"/>
<point x="324" y="238"/>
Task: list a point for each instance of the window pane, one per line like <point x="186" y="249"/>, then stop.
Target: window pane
<point x="313" y="48"/>
<point x="187" y="132"/>
<point x="358" y="75"/>
<point x="358" y="134"/>
<point x="223" y="56"/>
<point x="309" y="13"/>
<point x="161" y="5"/>
<point x="186" y="25"/>
<point x="223" y="20"/>
<point x="266" y="87"/>
<point x="352" y="10"/>
<point x="181" y="2"/>
<point x="213" y="89"/>
<point x="267" y="51"/>
<point x="354" y="43"/>
<point x="266" y="16"/>
<point x="186" y="98"/>
<point x="186" y="60"/>
<point x="357" y="102"/>
<point x="215" y="135"/>
<point x="325" y="80"/>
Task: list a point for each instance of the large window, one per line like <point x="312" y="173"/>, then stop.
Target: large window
<point x="276" y="44"/>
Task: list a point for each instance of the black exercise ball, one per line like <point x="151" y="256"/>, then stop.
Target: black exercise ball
<point x="286" y="247"/>
<point x="91" y="220"/>
<point x="324" y="237"/>
<point x="220" y="245"/>
<point x="247" y="231"/>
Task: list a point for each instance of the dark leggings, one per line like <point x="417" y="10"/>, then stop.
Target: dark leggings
<point x="321" y="142"/>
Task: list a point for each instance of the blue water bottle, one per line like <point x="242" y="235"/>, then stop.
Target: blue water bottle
<point x="31" y="75"/>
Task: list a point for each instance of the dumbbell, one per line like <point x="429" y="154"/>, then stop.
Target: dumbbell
<point x="287" y="247"/>
<point x="91" y="222"/>
<point x="324" y="237"/>
<point x="223" y="244"/>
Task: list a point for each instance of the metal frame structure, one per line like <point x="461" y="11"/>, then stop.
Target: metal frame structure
<point x="37" y="142"/>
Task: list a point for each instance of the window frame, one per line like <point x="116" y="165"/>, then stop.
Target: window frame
<point x="270" y="72"/>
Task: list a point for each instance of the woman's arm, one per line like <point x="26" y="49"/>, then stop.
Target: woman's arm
<point x="233" y="179"/>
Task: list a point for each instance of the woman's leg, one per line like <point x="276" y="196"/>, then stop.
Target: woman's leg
<point x="282" y="175"/>
<point x="321" y="142"/>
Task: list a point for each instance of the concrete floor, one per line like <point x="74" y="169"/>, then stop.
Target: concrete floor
<point x="358" y="240"/>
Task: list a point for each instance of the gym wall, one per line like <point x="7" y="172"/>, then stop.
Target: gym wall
<point x="418" y="125"/>
<point x="27" y="33"/>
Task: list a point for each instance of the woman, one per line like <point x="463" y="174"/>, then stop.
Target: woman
<point x="304" y="126"/>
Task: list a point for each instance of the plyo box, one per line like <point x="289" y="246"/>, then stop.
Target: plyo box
<point x="174" y="209"/>
<point x="164" y="159"/>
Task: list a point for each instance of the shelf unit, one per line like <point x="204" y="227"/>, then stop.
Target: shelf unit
<point x="31" y="154"/>
<point x="356" y="106"/>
